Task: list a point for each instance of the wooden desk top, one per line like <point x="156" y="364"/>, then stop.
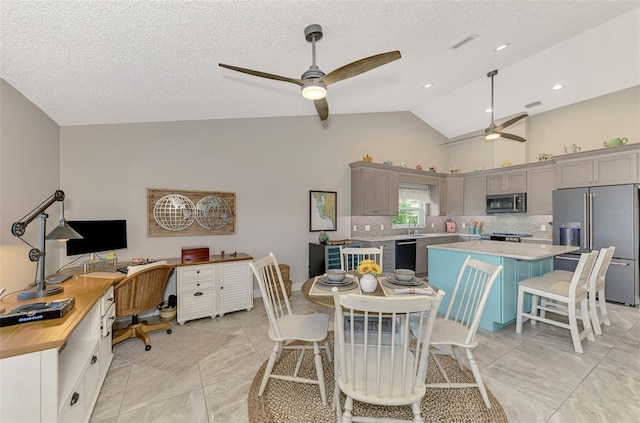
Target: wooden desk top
<point x="30" y="337"/>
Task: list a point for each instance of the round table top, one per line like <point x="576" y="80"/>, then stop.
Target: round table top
<point x="327" y="300"/>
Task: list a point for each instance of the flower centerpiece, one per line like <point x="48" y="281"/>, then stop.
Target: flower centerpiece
<point x="369" y="269"/>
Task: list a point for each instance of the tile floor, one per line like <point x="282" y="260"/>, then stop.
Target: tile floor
<point x="535" y="375"/>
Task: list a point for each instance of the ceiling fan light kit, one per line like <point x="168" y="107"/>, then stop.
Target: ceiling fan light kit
<point x="314" y="82"/>
<point x="314" y="90"/>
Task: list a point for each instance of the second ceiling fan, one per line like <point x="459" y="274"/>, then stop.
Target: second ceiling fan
<point x="314" y="82"/>
<point x="495" y="131"/>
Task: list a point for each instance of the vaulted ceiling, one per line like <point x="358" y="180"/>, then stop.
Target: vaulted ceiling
<point x="111" y="62"/>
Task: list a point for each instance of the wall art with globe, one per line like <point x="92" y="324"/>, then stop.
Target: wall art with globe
<point x="182" y="213"/>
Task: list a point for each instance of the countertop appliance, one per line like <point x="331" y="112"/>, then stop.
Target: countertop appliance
<point x="504" y="236"/>
<point x="595" y="218"/>
<point x="406" y="254"/>
<point x="506" y="203"/>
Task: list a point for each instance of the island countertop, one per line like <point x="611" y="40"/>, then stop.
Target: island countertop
<point x="515" y="250"/>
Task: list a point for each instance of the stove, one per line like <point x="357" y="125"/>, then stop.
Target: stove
<point x="505" y="236"/>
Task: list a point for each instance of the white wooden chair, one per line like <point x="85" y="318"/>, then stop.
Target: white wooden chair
<point x="595" y="288"/>
<point x="351" y="257"/>
<point x="460" y="323"/>
<point x="567" y="294"/>
<point x="286" y="326"/>
<point x="381" y="368"/>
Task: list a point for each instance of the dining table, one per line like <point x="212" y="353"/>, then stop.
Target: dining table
<point x="325" y="298"/>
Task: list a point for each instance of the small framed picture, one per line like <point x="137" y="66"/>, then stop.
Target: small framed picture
<point x="323" y="207"/>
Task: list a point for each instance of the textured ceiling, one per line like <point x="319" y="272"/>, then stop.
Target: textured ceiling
<point x="96" y="62"/>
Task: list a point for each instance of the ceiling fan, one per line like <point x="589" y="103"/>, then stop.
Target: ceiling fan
<point x="314" y="82"/>
<point x="495" y="131"/>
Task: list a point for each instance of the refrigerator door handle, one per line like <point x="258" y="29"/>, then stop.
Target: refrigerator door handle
<point x="590" y="221"/>
<point x="618" y="263"/>
<point x="584" y="219"/>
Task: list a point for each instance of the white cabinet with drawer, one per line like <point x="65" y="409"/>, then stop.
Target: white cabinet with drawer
<point x="210" y="290"/>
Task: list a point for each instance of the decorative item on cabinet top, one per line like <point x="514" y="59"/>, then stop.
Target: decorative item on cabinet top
<point x="572" y="149"/>
<point x="614" y="142"/>
<point x="182" y="212"/>
<point x="544" y="156"/>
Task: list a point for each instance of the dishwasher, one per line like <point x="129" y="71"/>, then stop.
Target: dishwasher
<point x="406" y="254"/>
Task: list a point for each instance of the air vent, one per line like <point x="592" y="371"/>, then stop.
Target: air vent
<point x="464" y="41"/>
<point x="534" y="104"/>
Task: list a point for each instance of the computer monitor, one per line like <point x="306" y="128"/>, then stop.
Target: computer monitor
<point x="98" y="236"/>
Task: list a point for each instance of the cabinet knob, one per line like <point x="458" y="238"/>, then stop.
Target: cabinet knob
<point x="197" y="271"/>
<point x="94" y="359"/>
<point x="110" y="299"/>
<point x="197" y="294"/>
<point x="198" y="283"/>
<point x="74" y="398"/>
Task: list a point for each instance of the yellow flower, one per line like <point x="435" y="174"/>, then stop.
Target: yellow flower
<point x="369" y="266"/>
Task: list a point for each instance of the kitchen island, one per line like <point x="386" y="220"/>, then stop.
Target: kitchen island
<point x="520" y="261"/>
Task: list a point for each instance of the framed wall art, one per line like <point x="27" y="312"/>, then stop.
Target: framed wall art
<point x="323" y="206"/>
<point x="186" y="213"/>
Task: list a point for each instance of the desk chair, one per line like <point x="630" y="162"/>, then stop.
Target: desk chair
<point x="136" y="293"/>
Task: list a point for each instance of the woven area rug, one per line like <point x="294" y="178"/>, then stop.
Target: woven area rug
<point x="289" y="402"/>
<point x="174" y="353"/>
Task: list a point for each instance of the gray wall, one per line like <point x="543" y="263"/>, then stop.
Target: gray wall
<point x="29" y="173"/>
<point x="271" y="164"/>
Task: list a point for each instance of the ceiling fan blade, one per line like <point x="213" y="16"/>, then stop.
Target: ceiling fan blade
<point x="512" y="137"/>
<point x="360" y="66"/>
<point x="263" y="74"/>
<point x="322" y="107"/>
<point x="510" y="122"/>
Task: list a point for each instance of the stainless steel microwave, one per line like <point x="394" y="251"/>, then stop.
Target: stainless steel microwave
<point x="507" y="203"/>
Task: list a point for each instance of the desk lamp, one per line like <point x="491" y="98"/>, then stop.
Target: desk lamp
<point x="62" y="233"/>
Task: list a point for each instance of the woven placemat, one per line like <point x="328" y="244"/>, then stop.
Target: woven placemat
<point x="290" y="402"/>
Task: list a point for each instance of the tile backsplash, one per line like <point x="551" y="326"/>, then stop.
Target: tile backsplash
<point x="508" y="222"/>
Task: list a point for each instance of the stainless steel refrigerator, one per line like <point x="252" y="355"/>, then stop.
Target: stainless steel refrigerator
<point x="595" y="218"/>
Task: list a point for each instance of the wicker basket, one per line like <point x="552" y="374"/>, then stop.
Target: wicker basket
<point x="284" y="271"/>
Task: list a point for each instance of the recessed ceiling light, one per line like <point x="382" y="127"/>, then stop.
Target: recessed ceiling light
<point x="556" y="87"/>
<point x="427" y="85"/>
<point x="502" y="47"/>
<point x="488" y="110"/>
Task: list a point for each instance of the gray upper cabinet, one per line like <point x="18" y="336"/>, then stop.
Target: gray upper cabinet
<point x="442" y="197"/>
<point x="455" y="196"/>
<point x="541" y="181"/>
<point x="507" y="182"/>
<point x="374" y="191"/>
<point x="475" y="192"/>
<point x="603" y="169"/>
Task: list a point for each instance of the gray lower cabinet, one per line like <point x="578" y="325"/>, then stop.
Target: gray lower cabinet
<point x="421" y="257"/>
<point x="388" y="253"/>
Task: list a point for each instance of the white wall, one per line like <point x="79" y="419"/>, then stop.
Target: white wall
<point x="29" y="173"/>
<point x="271" y="164"/>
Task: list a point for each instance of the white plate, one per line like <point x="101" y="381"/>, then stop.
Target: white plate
<point x="414" y="282"/>
<point x="351" y="284"/>
<point x="392" y="285"/>
<point x="327" y="282"/>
